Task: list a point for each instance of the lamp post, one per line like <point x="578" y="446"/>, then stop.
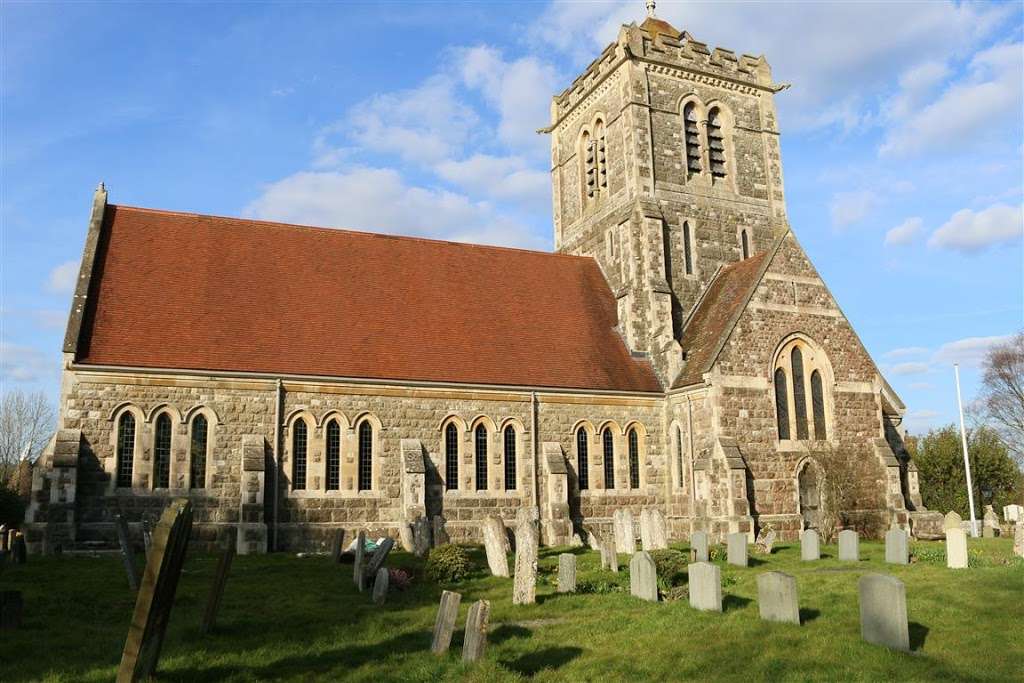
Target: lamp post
<point x="963" y="441"/>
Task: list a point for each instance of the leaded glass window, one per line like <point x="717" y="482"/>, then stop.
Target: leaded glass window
<point x="451" y="457"/>
<point x="162" y="452"/>
<point x="333" y="456"/>
<point x="781" y="403"/>
<point x="609" y="458"/>
<point x="480" y="442"/>
<point x="634" y="459"/>
<point x="818" y="406"/>
<point x="510" y="459"/>
<point x="197" y="470"/>
<point x="582" y="459"/>
<point x="125" y="450"/>
<point x="799" y="395"/>
<point x="300" y="442"/>
<point x="365" y="456"/>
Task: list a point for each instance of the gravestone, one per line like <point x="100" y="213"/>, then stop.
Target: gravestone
<point x="156" y="594"/>
<point x="956" y="548"/>
<point x="421" y="536"/>
<point x="474" y="644"/>
<point x="379" y="557"/>
<point x="495" y="545"/>
<point x="705" y="586"/>
<point x="849" y="546"/>
<point x="625" y="539"/>
<point x="765" y="541"/>
<point x="1018" y="539"/>
<point x="19" y="553"/>
<point x="699" y="546"/>
<point x="524" y="590"/>
<point x="12" y="606"/>
<point x="645" y="530"/>
<point x="810" y="545"/>
<point x="896" y="546"/>
<point x="3" y="537"/>
<point x="220" y="579"/>
<point x="776" y="597"/>
<point x="440" y="535"/>
<point x="566" y="573"/>
<point x="643" y="577"/>
<point x="952" y="521"/>
<point x="1013" y="513"/>
<point x="11" y="535"/>
<point x="737" y="549"/>
<point x="359" y="565"/>
<point x="528" y="514"/>
<point x="990" y="523"/>
<point x="339" y="545"/>
<point x="406" y="537"/>
<point x="659" y="530"/>
<point x="127" y="553"/>
<point x="883" y="611"/>
<point x="611" y="555"/>
<point x="380" y="586"/>
<point x="444" y="624"/>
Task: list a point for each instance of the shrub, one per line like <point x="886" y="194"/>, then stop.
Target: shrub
<point x="399" y="578"/>
<point x="676" y="593"/>
<point x="12" y="507"/>
<point x="598" y="586"/>
<point x="671" y="566"/>
<point x="448" y="563"/>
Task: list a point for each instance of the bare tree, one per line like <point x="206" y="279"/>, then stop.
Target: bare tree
<point x="1002" y="393"/>
<point x="27" y="421"/>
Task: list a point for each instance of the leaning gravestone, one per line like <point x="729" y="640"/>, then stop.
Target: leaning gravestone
<point x="699" y="546"/>
<point x="810" y="545"/>
<point x="524" y="590"/>
<point x="896" y="550"/>
<point x="474" y="644"/>
<point x="495" y="542"/>
<point x="12" y="605"/>
<point x="127" y="552"/>
<point x="956" y="548"/>
<point x="566" y="573"/>
<point x="379" y="557"/>
<point x="705" y="586"/>
<point x="849" y="546"/>
<point x="952" y="521"/>
<point x="883" y="611"/>
<point x="156" y="594"/>
<point x="643" y="577"/>
<point x="765" y="541"/>
<point x="406" y="537"/>
<point x="358" y="566"/>
<point x="776" y="597"/>
<point x="444" y="624"/>
<point x="220" y="579"/>
<point x="339" y="545"/>
<point x="380" y="586"/>
<point x="625" y="539"/>
<point x="737" y="549"/>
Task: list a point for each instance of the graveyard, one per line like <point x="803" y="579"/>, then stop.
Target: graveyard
<point x="288" y="617"/>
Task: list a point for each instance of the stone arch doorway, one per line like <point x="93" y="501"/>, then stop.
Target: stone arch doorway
<point x="809" y="495"/>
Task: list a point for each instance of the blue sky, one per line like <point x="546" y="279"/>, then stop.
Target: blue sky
<point x="902" y="143"/>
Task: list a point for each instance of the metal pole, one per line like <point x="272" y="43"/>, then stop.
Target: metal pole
<point x="967" y="461"/>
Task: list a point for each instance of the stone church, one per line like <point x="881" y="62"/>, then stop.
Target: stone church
<point x="678" y="351"/>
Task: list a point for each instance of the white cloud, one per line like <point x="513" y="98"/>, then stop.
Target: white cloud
<point x="26" y="364"/>
<point x="970" y="351"/>
<point x="970" y="231"/>
<point x="500" y="177"/>
<point x="907" y="351"/>
<point x="847" y="208"/>
<point x="904" y="233"/>
<point x="910" y="368"/>
<point x="378" y="200"/>
<point x="63" y="278"/>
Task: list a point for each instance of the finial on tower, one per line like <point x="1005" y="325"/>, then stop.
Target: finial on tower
<point x="650" y="8"/>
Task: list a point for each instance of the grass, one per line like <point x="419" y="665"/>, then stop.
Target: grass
<point x="301" y="619"/>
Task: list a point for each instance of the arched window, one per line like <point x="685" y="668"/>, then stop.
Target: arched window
<point x="582" y="459"/>
<point x="510" y="459"/>
<point x="300" y="441"/>
<point x="781" y="403"/>
<point x="818" y="406"/>
<point x="595" y="161"/>
<point x="716" y="144"/>
<point x="744" y="244"/>
<point x="799" y="395"/>
<point x="333" y="456"/>
<point x="679" y="457"/>
<point x="162" y="452"/>
<point x="609" y="458"/>
<point x="634" y="459"/>
<point x="365" y="456"/>
<point x="451" y="457"/>
<point x="691" y="138"/>
<point x="197" y="470"/>
<point x="480" y="442"/>
<point x="125" y="450"/>
<point x="687" y="248"/>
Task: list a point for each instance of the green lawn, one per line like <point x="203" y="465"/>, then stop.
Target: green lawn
<point x="301" y="619"/>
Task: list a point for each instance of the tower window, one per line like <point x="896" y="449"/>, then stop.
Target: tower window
<point x="451" y="457"/>
<point x="365" y="456"/>
<point x="687" y="248"/>
<point x="818" y="406"/>
<point x="333" y="456"/>
<point x="595" y="161"/>
<point x="799" y="395"/>
<point x="806" y="367"/>
<point x="299" y="443"/>
<point x="582" y="459"/>
<point x="691" y="139"/>
<point x="162" y="453"/>
<point x="634" y="459"/>
<point x="609" y="458"/>
<point x="510" y="459"/>
<point x="197" y="471"/>
<point x="125" y="450"/>
<point x="480" y="437"/>
<point x="744" y="244"/>
<point x="716" y="144"/>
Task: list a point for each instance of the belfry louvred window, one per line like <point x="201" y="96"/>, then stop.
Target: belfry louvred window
<point x="595" y="161"/>
<point x="716" y="144"/>
<point x="691" y="138"/>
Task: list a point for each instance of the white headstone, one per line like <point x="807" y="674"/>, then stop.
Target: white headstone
<point x="956" y="548"/>
<point x="1013" y="513"/>
<point x="777" y="598"/>
<point x="625" y="538"/>
<point x="705" y="586"/>
<point x="952" y="520"/>
<point x="810" y="545"/>
<point x="643" y="577"/>
<point x="896" y="546"/>
<point x="524" y="590"/>
<point x="1018" y="539"/>
<point x="849" y="546"/>
<point x="495" y="541"/>
<point x="883" y="611"/>
<point x="737" y="549"/>
<point x="699" y="546"/>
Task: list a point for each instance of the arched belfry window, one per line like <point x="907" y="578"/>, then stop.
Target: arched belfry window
<point x="162" y="452"/>
<point x="634" y="459"/>
<point x="691" y="138"/>
<point x="582" y="459"/>
<point x="200" y="437"/>
<point x="801" y="369"/>
<point x="125" y="450"/>
<point x="333" y="449"/>
<point x="365" y="464"/>
<point x="609" y="458"/>
<point x="510" y="458"/>
<point x="480" y="439"/>
<point x="300" y="444"/>
<point x="716" y="143"/>
<point x="593" y="147"/>
<point x="744" y="244"/>
<point x="451" y="457"/>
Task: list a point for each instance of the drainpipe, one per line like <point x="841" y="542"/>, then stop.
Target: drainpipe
<point x="279" y="395"/>
<point x="535" y="440"/>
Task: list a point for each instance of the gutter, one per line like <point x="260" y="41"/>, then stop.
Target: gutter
<point x="535" y="407"/>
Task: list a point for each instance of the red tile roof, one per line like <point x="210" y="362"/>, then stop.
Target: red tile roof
<point x="184" y="291"/>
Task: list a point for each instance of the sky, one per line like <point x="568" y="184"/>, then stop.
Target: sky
<point x="902" y="143"/>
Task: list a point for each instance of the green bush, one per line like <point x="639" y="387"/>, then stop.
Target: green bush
<point x="448" y="563"/>
<point x="671" y="566"/>
<point x="12" y="507"/>
<point x="598" y="586"/>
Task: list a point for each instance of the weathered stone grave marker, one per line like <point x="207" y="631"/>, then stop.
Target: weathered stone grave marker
<point x="380" y="586"/>
<point x="127" y="552"/>
<point x="524" y="590"/>
<point x="156" y="594"/>
<point x="896" y="546"/>
<point x="699" y="546"/>
<point x="777" y="598"/>
<point x="358" y="566"/>
<point x="440" y="534"/>
<point x="379" y="557"/>
<point x="952" y="521"/>
<point x="339" y="545"/>
<point x="3" y="537"/>
<point x="406" y="537"/>
<point x="883" y="611"/>
<point x="737" y="549"/>
<point x="444" y="624"/>
<point x="19" y="553"/>
<point x="609" y="554"/>
<point x="765" y="541"/>
<point x="810" y="545"/>
<point x="956" y="548"/>
<point x="421" y="536"/>
<point x="1013" y="513"/>
<point x="643" y="577"/>
<point x="474" y="644"/>
<point x="849" y="546"/>
<point x="625" y="539"/>
<point x="496" y="546"/>
<point x="220" y="579"/>
<point x="566" y="573"/>
<point x="705" y="586"/>
<point x="1018" y="539"/>
<point x="12" y="606"/>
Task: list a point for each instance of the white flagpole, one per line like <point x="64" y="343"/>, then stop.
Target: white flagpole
<point x="967" y="462"/>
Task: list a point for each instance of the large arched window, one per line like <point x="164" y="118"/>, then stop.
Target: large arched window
<point x="197" y="469"/>
<point x="801" y="390"/>
<point x="634" y="459"/>
<point x="333" y="444"/>
<point x="300" y="443"/>
<point x="510" y="458"/>
<point x="451" y="457"/>
<point x="716" y="143"/>
<point x="125" y="450"/>
<point x="365" y="456"/>
<point x="799" y="395"/>
<point x="480" y="446"/>
<point x="582" y="459"/>
<point x="162" y="452"/>
<point x="818" y="406"/>
<point x="691" y="139"/>
<point x="609" y="458"/>
<point x="781" y="403"/>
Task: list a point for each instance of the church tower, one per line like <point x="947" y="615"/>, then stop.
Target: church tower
<point x="665" y="166"/>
